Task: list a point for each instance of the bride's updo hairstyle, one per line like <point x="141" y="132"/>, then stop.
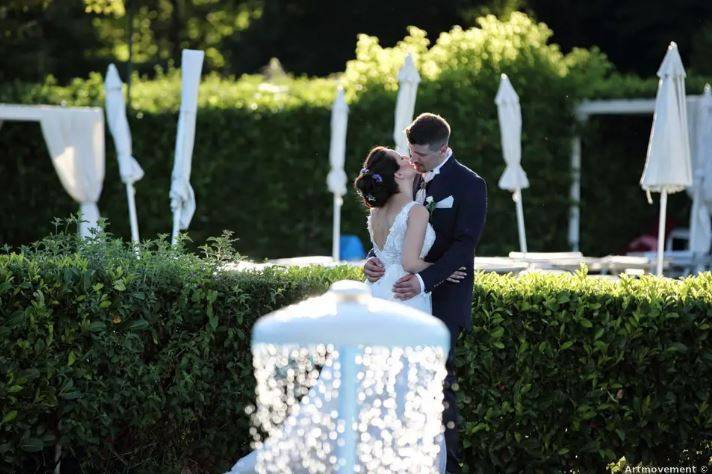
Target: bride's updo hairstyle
<point x="376" y="183"/>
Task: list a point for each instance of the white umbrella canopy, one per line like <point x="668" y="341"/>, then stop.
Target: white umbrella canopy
<point x="408" y="80"/>
<point x="514" y="179"/>
<point x="115" y="107"/>
<point x="510" y="125"/>
<point x="129" y="169"/>
<point x="181" y="193"/>
<point x="336" y="180"/>
<point x="667" y="166"/>
<point x="701" y="191"/>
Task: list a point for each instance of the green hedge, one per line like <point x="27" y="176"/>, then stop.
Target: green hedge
<point x="261" y="154"/>
<point x="131" y="364"/>
<point x="564" y="373"/>
<point x="143" y="365"/>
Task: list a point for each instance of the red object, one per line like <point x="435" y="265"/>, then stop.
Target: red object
<point x="648" y="242"/>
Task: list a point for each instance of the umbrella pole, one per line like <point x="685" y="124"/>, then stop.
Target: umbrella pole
<point x="691" y="243"/>
<point x="57" y="458"/>
<point x="176" y="226"/>
<point x="661" y="232"/>
<point x="335" y="250"/>
<point x="520" y="221"/>
<point x="130" y="192"/>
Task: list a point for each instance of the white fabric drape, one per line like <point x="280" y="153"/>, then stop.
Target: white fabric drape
<point x="75" y="140"/>
<point x="408" y="80"/>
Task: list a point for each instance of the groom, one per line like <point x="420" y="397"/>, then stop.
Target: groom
<point x="457" y="200"/>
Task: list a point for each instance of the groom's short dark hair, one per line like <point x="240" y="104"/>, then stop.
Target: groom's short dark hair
<point x="428" y="129"/>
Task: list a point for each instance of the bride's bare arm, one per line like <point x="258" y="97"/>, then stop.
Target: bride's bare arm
<point x="414" y="237"/>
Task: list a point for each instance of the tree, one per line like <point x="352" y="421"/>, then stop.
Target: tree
<point x="317" y="37"/>
<point x="70" y="38"/>
<point x="41" y="37"/>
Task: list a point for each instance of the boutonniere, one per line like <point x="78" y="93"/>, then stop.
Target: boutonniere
<point x="430" y="204"/>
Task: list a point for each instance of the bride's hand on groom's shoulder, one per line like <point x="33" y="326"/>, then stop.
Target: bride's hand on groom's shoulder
<point x="373" y="268"/>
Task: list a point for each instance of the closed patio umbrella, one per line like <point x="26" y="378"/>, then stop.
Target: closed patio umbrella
<point x="514" y="179"/>
<point x="700" y="231"/>
<point x="336" y="180"/>
<point x="408" y="80"/>
<point x="181" y="193"/>
<point x="667" y="165"/>
<point x="129" y="169"/>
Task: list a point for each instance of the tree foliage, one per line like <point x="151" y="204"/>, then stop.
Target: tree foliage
<point x="70" y="38"/>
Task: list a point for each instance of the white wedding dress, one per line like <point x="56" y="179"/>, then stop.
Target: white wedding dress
<point x="391" y="256"/>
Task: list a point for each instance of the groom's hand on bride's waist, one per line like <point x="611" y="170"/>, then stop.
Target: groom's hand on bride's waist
<point x="411" y="285"/>
<point x="407" y="287"/>
<point x="458" y="275"/>
<point x="373" y="268"/>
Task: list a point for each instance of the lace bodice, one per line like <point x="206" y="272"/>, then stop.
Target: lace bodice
<point x="392" y="251"/>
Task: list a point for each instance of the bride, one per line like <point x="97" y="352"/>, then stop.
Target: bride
<point x="398" y="226"/>
<point x="401" y="236"/>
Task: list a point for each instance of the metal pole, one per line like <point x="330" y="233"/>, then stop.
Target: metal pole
<point x="177" y="159"/>
<point x="335" y="247"/>
<point x="130" y="192"/>
<point x="661" y="233"/>
<point x="520" y="221"/>
<point x="696" y="199"/>
<point x="575" y="194"/>
<point x="57" y="458"/>
<point x="176" y="226"/>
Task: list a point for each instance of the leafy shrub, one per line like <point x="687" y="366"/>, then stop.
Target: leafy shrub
<point x="130" y="363"/>
<point x="567" y="373"/>
<point x="143" y="364"/>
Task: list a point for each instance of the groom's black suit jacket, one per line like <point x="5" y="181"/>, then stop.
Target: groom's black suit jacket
<point x="457" y="232"/>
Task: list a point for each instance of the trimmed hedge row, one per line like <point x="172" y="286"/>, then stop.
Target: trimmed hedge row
<point x="261" y="154"/>
<point x="143" y="365"/>
<point x="565" y="373"/>
<point x="130" y="364"/>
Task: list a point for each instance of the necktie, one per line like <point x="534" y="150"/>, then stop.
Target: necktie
<point x="420" y="194"/>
